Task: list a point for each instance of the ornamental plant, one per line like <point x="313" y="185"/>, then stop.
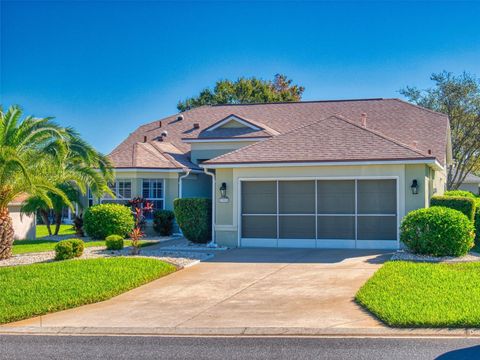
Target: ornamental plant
<point x="100" y="221"/>
<point x="437" y="231"/>
<point x="194" y="216"/>
<point x="140" y="207"/>
<point x="163" y="222"/>
<point x="114" y="242"/>
<point x="69" y="249"/>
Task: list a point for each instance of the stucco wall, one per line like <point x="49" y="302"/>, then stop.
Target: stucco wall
<point x="226" y="216"/>
<point x="24" y="225"/>
<point x="474" y="188"/>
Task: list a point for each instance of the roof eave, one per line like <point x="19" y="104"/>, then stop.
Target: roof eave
<point x="432" y="162"/>
<point x="150" y="169"/>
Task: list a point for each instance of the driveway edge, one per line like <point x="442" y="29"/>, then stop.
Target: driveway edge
<point x="242" y="331"/>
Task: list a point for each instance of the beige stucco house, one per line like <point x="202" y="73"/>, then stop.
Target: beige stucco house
<point x="319" y="174"/>
<point x="471" y="183"/>
<point x="23" y="224"/>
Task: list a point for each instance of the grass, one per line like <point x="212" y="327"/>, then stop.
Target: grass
<point x="39" y="289"/>
<point x="30" y="246"/>
<point x="42" y="231"/>
<point x="407" y="294"/>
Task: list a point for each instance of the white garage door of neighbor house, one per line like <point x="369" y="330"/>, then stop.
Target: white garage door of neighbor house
<point x="353" y="213"/>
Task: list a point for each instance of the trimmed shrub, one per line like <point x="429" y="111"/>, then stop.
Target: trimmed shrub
<point x="437" y="231"/>
<point x="77" y="247"/>
<point x="100" y="221"/>
<point x="114" y="242"/>
<point x="163" y="222"/>
<point x="459" y="193"/>
<point x="69" y="249"/>
<point x="194" y="216"/>
<point x="463" y="204"/>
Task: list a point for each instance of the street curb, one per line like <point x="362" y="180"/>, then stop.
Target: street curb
<point x="241" y="331"/>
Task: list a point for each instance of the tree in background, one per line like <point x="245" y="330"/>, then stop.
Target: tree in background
<point x="246" y="91"/>
<point x="459" y="98"/>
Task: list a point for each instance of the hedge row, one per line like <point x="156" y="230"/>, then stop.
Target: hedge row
<point x="465" y="205"/>
<point x="465" y="202"/>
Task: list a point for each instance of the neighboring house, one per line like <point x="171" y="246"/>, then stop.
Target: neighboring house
<point x="325" y="174"/>
<point x="23" y="224"/>
<point x="471" y="183"/>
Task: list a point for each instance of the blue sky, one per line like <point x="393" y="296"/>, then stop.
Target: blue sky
<point x="105" y="67"/>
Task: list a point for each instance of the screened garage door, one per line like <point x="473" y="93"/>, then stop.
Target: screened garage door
<point x="357" y="213"/>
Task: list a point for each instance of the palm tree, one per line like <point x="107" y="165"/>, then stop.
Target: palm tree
<point x="37" y="156"/>
<point x="73" y="171"/>
<point x="24" y="145"/>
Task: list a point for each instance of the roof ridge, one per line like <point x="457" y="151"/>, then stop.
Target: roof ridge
<point x="418" y="106"/>
<point x="296" y="102"/>
<point x="173" y="115"/>
<point x="379" y="134"/>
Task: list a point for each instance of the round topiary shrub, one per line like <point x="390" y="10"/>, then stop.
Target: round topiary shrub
<point x="114" y="242"/>
<point x="437" y="231"/>
<point x="69" y="249"/>
<point x="163" y="222"/>
<point x="102" y="220"/>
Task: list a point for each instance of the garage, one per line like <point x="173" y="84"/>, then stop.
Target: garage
<point x="320" y="213"/>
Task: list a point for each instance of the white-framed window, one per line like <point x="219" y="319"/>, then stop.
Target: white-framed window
<point x="90" y="197"/>
<point x="122" y="188"/>
<point x="153" y="190"/>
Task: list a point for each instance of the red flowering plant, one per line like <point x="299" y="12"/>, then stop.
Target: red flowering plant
<point x="140" y="207"/>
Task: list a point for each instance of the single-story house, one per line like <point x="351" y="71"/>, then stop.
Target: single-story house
<point x="23" y="224"/>
<point x="319" y="174"/>
<point x="471" y="183"/>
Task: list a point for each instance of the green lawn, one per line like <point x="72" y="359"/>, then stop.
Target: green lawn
<point x="38" y="289"/>
<point x="28" y="246"/>
<point x="42" y="231"/>
<point x="407" y="294"/>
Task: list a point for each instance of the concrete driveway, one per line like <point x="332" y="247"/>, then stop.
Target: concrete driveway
<point x="241" y="288"/>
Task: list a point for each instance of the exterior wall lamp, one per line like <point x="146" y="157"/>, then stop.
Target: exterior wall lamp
<point x="414" y="187"/>
<point x="223" y="193"/>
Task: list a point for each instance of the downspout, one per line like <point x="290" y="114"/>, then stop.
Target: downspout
<point x="180" y="182"/>
<point x="180" y="191"/>
<point x="212" y="243"/>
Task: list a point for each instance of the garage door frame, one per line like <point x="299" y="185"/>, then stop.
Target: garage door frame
<point x="318" y="243"/>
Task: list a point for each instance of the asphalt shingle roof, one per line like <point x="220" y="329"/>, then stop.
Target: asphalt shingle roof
<point x="406" y="124"/>
<point x="332" y="139"/>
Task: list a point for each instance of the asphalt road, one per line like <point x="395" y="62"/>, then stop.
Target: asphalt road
<point x="123" y="347"/>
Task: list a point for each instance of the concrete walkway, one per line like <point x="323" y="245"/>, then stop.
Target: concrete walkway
<point x="237" y="291"/>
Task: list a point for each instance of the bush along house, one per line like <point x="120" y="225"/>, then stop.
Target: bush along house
<point x="316" y="174"/>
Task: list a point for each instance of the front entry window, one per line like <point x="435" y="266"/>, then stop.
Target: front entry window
<point x="153" y="191"/>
